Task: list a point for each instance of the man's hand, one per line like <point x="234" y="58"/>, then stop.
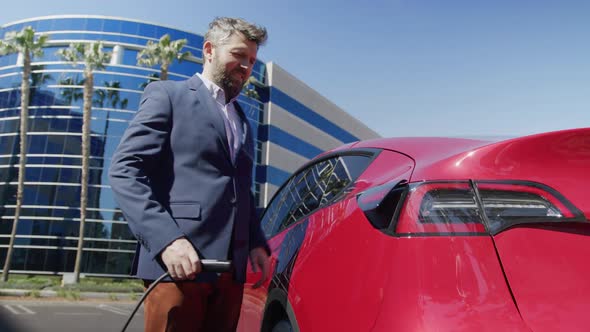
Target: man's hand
<point x="181" y="260"/>
<point x="260" y="261"/>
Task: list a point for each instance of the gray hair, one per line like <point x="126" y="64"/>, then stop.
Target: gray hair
<point x="222" y="28"/>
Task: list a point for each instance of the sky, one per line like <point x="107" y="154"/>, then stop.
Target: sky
<point x="461" y="68"/>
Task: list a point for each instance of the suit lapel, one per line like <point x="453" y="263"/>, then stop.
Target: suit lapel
<point x="210" y="105"/>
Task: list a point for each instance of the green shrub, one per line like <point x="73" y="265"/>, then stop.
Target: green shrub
<point x="19" y="281"/>
<point x="73" y="295"/>
<point x="34" y="293"/>
<point x="61" y="292"/>
<point x="88" y="284"/>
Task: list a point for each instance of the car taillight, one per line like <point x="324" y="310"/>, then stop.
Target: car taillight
<point x="509" y="203"/>
<point x="464" y="207"/>
<point x="440" y="208"/>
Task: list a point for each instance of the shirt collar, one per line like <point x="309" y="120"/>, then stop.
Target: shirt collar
<point x="217" y="92"/>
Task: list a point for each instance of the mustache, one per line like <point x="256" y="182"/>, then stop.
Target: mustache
<point x="241" y="70"/>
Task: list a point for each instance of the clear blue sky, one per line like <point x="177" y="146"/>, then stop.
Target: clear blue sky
<point x="406" y="67"/>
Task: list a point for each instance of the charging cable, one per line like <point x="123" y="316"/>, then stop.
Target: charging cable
<point x="208" y="265"/>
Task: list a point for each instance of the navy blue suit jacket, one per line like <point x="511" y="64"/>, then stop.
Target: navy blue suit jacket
<point x="173" y="177"/>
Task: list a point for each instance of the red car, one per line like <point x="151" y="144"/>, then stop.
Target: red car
<point x="431" y="234"/>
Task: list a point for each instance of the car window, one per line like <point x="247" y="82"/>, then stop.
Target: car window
<point x="316" y="186"/>
<point x="276" y="211"/>
<point x="341" y="172"/>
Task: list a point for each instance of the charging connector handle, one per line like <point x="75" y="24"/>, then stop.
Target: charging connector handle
<point x="208" y="265"/>
<point x="212" y="265"/>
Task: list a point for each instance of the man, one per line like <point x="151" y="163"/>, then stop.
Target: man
<point x="182" y="176"/>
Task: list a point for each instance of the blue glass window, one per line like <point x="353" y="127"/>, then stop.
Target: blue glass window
<point x="7" y="144"/>
<point x="195" y="40"/>
<point x="129" y="40"/>
<point x="23" y="228"/>
<point x="112" y="26"/>
<point x="49" y="54"/>
<point x="8" y="60"/>
<point x="130" y="28"/>
<point x="288" y="141"/>
<point x="161" y="31"/>
<point x="49" y="174"/>
<point x="94" y="24"/>
<point x="69" y="24"/>
<point x="36" y="144"/>
<point x="55" y="144"/>
<point x="44" y="25"/>
<point x="69" y="175"/>
<point x="301" y="111"/>
<point x="14" y="27"/>
<point x="147" y="30"/>
<point x="72" y="146"/>
<point x="130" y="57"/>
<point x="33" y="174"/>
<point x="271" y="175"/>
<point x="185" y="68"/>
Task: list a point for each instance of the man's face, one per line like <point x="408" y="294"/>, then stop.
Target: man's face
<point x="231" y="63"/>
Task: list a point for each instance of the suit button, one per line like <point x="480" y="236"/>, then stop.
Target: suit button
<point x="232" y="200"/>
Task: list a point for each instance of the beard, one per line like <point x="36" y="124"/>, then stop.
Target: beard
<point x="227" y="81"/>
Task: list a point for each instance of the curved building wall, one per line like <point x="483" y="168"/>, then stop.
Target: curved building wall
<point x="292" y="124"/>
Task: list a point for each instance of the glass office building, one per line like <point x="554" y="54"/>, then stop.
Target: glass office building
<point x="291" y="122"/>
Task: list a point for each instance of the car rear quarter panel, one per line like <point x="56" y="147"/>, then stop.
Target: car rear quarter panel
<point x="445" y="283"/>
<point x="351" y="277"/>
<point x="547" y="268"/>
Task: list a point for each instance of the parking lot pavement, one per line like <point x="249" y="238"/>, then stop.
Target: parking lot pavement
<point x="63" y="316"/>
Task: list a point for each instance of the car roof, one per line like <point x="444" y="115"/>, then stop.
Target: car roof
<point x="421" y="148"/>
<point x="453" y="158"/>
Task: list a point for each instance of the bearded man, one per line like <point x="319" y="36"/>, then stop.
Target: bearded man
<point x="182" y="176"/>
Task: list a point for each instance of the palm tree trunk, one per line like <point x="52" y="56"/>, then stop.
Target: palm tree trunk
<point x="24" y="123"/>
<point x="88" y="87"/>
<point x="164" y="72"/>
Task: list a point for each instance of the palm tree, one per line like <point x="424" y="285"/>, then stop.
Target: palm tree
<point x="152" y="77"/>
<point x="114" y="98"/>
<point x="29" y="47"/>
<point x="110" y="93"/>
<point x="162" y="53"/>
<point x="70" y="94"/>
<point x="248" y="88"/>
<point x="94" y="59"/>
<point x="38" y="79"/>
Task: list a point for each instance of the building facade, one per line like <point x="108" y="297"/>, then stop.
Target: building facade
<point x="291" y="122"/>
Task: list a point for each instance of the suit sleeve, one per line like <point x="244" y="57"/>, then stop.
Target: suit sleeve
<point x="136" y="156"/>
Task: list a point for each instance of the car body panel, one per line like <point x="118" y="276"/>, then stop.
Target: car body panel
<point x="445" y="283"/>
<point x="255" y="299"/>
<point x="345" y="257"/>
<point x="548" y="271"/>
<point x="337" y="272"/>
<point x="387" y="166"/>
